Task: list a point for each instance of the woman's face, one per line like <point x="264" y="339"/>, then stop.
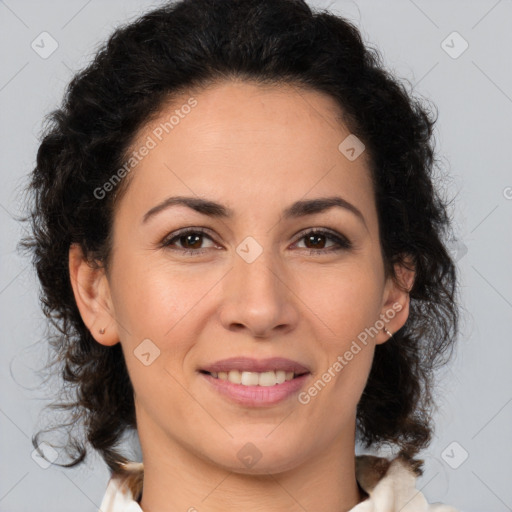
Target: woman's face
<point x="254" y="284"/>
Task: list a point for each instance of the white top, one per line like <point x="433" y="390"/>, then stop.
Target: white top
<point x="390" y="484"/>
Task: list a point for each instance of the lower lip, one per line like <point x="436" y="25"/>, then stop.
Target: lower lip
<point x="257" y="396"/>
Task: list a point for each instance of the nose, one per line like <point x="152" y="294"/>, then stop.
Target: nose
<point x="258" y="297"/>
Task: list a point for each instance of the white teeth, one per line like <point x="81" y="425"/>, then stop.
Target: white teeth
<point x="234" y="376"/>
<point x="270" y="378"/>
<point x="250" y="379"/>
<point x="281" y="376"/>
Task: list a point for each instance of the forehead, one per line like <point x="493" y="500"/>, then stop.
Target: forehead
<point x="247" y="145"/>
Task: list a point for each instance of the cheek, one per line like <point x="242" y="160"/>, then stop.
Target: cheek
<point x="341" y="378"/>
<point x="157" y="308"/>
<point x="151" y="297"/>
<point x="155" y="302"/>
<point x="343" y="306"/>
<point x="345" y="300"/>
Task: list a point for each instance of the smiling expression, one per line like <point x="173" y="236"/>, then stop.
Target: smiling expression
<point x="246" y="232"/>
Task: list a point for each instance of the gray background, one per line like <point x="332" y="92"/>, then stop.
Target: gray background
<point x="474" y="95"/>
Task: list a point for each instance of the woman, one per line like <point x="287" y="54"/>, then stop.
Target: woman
<point x="241" y="247"/>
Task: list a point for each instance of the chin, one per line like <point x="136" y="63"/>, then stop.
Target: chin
<point x="260" y="455"/>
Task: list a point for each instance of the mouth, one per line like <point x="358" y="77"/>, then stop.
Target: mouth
<point x="255" y="389"/>
<point x="252" y="382"/>
<point x="260" y="379"/>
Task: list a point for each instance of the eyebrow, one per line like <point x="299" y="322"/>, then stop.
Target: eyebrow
<point x="296" y="210"/>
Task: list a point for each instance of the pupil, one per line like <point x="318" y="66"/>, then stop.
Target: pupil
<point x="189" y="237"/>
<point x="311" y="237"/>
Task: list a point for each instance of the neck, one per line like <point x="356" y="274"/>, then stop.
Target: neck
<point x="177" y="478"/>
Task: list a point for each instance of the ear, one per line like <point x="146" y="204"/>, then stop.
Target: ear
<point x="92" y="296"/>
<point x="395" y="307"/>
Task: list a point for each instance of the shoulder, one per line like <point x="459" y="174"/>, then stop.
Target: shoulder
<point x="391" y="486"/>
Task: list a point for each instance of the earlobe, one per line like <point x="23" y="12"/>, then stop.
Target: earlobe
<point x="92" y="295"/>
<point x="395" y="310"/>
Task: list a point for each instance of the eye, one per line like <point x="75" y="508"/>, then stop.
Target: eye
<point x="317" y="247"/>
<point x="190" y="240"/>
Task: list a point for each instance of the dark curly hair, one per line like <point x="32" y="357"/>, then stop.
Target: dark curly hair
<point x="194" y="44"/>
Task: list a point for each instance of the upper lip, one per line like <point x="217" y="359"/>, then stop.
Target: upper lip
<point x="250" y="364"/>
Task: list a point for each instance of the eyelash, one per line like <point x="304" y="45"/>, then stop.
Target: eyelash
<point x="342" y="242"/>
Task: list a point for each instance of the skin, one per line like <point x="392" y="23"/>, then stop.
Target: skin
<point x="256" y="150"/>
